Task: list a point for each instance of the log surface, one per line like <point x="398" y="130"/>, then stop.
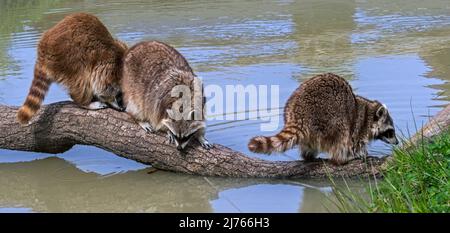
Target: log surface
<point x="59" y="126"/>
<point x="437" y="124"/>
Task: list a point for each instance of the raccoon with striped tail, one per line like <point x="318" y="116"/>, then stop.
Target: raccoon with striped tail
<point x="80" y="54"/>
<point x="153" y="74"/>
<point x="324" y="115"/>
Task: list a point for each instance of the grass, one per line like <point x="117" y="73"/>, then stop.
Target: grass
<point x="416" y="180"/>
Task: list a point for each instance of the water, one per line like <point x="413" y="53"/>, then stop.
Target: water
<point x="394" y="51"/>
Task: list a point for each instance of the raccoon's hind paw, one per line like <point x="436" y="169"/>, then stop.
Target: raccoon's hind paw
<point x="117" y="107"/>
<point x="146" y="126"/>
<point x="342" y="161"/>
<point x="97" y="105"/>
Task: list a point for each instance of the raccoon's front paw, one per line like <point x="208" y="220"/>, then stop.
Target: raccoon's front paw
<point x="147" y="127"/>
<point x="205" y="144"/>
<point x="362" y="154"/>
<point x="170" y="137"/>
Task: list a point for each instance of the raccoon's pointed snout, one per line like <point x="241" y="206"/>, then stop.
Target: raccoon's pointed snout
<point x="182" y="143"/>
<point x="395" y="141"/>
<point x="389" y="136"/>
<point x="178" y="144"/>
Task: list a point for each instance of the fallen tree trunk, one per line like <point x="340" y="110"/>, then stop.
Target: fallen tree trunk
<point x="59" y="126"/>
<point x="434" y="126"/>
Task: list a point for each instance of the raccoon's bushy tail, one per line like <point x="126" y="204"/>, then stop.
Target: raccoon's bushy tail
<point x="284" y="140"/>
<point x="36" y="94"/>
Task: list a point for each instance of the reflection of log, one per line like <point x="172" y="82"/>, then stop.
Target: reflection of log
<point x="53" y="185"/>
<point x="59" y="126"/>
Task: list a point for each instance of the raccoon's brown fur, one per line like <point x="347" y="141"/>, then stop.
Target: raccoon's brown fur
<point x="151" y="70"/>
<point x="79" y="53"/>
<point x="324" y="115"/>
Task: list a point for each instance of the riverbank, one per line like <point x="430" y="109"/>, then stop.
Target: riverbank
<point x="415" y="180"/>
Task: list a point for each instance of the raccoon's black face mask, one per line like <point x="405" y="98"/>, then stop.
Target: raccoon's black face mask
<point x="388" y="136"/>
<point x="383" y="128"/>
<point x="181" y="141"/>
<point x="181" y="132"/>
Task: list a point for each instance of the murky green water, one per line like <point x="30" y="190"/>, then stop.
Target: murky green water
<point x="395" y="51"/>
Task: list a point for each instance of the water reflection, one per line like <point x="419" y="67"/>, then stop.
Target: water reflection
<point x="53" y="185"/>
<point x="323" y="35"/>
<point x="85" y="158"/>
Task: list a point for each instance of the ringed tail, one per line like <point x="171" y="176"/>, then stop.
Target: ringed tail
<point x="36" y="94"/>
<point x="284" y="140"/>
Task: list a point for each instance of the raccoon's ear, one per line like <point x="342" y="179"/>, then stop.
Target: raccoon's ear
<point x="168" y="123"/>
<point x="170" y="113"/>
<point x="191" y="115"/>
<point x="380" y="112"/>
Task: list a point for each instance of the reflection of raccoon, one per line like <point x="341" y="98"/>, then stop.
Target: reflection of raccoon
<point x="80" y="54"/>
<point x="324" y="115"/>
<point x="151" y="71"/>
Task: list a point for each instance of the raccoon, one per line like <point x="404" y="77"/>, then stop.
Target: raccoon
<point x="80" y="54"/>
<point x="151" y="71"/>
<point x="324" y="115"/>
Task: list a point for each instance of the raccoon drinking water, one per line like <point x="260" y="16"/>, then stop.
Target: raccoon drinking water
<point x="324" y="115"/>
<point x="79" y="53"/>
<point x="151" y="72"/>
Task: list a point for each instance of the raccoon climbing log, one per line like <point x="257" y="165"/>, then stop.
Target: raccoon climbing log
<point x="59" y="126"/>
